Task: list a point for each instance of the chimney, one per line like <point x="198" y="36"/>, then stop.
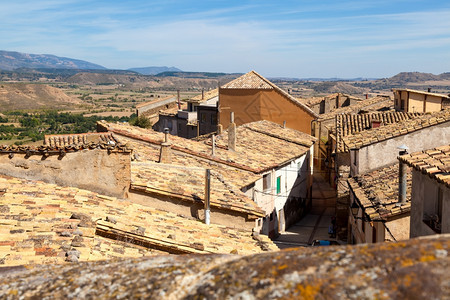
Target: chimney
<point x="178" y="99"/>
<point x="367" y="96"/>
<point x="402" y="177"/>
<point x="232" y="133"/>
<point x="165" y="155"/>
<point x="203" y="94"/>
<point x="213" y="142"/>
<point x="284" y="124"/>
<point x="375" y="123"/>
<point x="429" y="90"/>
<point x="207" y="195"/>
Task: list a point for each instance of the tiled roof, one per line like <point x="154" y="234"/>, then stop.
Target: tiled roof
<point x="254" y="81"/>
<point x="348" y="124"/>
<point x="255" y="151"/>
<point x="45" y="223"/>
<point x="423" y="92"/>
<point x="188" y="183"/>
<point x="61" y="140"/>
<point x="316" y="100"/>
<point x="434" y="162"/>
<point x="206" y="96"/>
<point x="46" y="150"/>
<point x="406" y="126"/>
<point x="155" y="101"/>
<point x="377" y="192"/>
<point x="372" y="104"/>
<point x="149" y="152"/>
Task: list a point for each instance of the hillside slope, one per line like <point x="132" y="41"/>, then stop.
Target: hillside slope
<point x="15" y="96"/>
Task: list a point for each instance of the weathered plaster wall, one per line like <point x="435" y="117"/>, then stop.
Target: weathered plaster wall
<point x="93" y="170"/>
<point x="384" y="153"/>
<point x="424" y="194"/>
<point x="254" y="105"/>
<point x="153" y="106"/>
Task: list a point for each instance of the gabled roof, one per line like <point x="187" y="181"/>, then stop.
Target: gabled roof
<point x="188" y="184"/>
<point x="256" y="151"/>
<point x="433" y="162"/>
<point x="372" y="104"/>
<point x="254" y="81"/>
<point x="349" y="124"/>
<point x="44" y="223"/>
<point x="393" y="130"/>
<point x="377" y="192"/>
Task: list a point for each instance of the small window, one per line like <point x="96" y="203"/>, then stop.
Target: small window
<point x="267" y="182"/>
<point x="278" y="184"/>
<point x="213" y="119"/>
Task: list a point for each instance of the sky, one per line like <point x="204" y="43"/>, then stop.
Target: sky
<point x="300" y="39"/>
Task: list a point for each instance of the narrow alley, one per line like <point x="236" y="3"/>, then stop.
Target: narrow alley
<point x="314" y="226"/>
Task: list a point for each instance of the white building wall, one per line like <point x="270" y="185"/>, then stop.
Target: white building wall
<point x="384" y="153"/>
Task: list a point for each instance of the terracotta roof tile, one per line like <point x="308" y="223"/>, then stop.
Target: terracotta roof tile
<point x="377" y="192"/>
<point x="433" y="162"/>
<point x="365" y="138"/>
<point x="255" y="152"/>
<point x="349" y="124"/>
<point x="372" y="104"/>
<point x="46" y="223"/>
<point x="206" y="96"/>
<point x="61" y="140"/>
<point x="188" y="183"/>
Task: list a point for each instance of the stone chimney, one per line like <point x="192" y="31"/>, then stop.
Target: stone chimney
<point x="165" y="154"/>
<point x="203" y="94"/>
<point x="232" y="133"/>
<point x="178" y="99"/>
<point x="375" y="123"/>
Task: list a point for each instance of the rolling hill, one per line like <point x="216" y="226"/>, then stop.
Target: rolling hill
<point x="16" y="96"/>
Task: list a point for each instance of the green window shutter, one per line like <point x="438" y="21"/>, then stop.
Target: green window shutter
<point x="278" y="184"/>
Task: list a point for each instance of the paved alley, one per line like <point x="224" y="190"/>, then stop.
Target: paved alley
<point x="314" y="226"/>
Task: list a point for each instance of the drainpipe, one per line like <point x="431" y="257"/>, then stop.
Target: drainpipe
<point x="402" y="177"/>
<point x="207" y="196"/>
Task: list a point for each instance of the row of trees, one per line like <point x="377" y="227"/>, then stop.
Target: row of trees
<point x="35" y="126"/>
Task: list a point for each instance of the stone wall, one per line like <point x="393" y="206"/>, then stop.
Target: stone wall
<point x="414" y="269"/>
<point x="98" y="170"/>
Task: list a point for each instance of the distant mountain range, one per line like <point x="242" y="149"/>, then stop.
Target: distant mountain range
<point x="11" y="60"/>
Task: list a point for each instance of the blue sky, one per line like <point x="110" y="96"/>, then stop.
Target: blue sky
<point x="301" y="39"/>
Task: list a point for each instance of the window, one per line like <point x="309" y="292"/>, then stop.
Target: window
<point x="213" y="119"/>
<point x="203" y="117"/>
<point x="402" y="104"/>
<point x="278" y="184"/>
<point x="267" y="182"/>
